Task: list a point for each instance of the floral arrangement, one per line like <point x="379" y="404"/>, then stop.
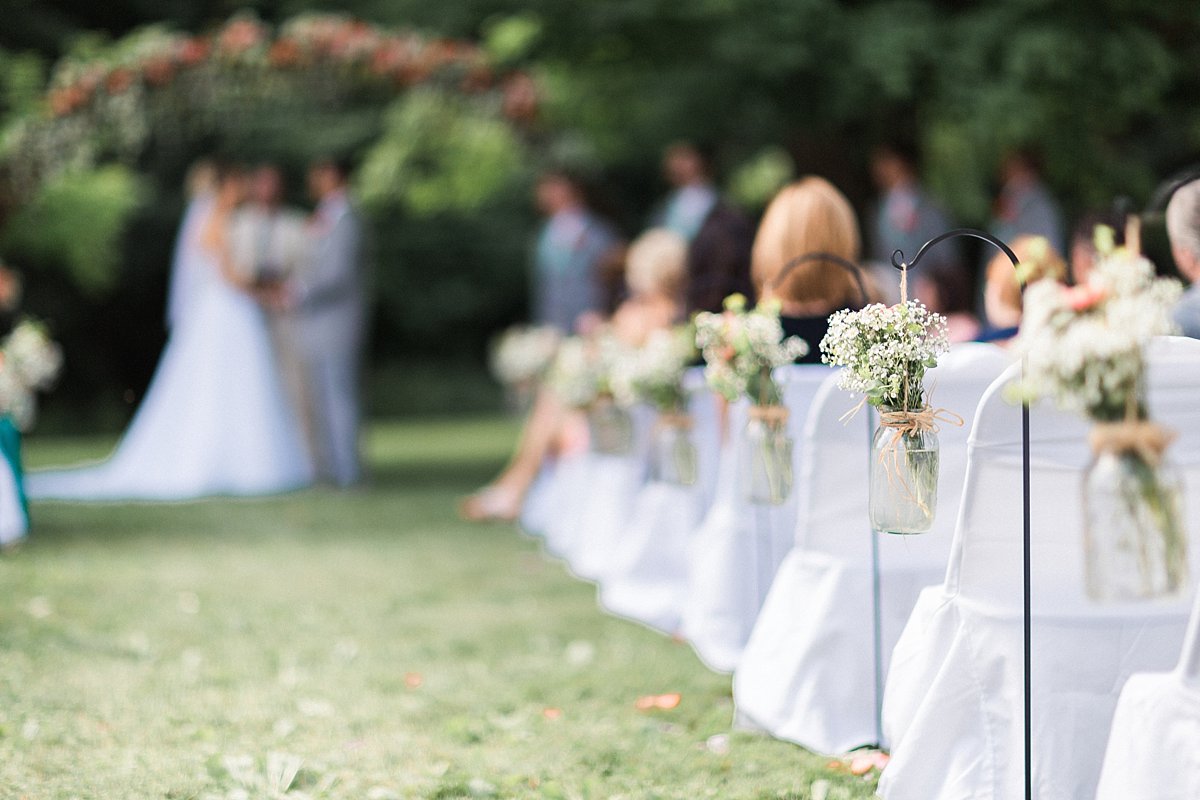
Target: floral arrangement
<point x="886" y="351"/>
<point x="741" y="347"/>
<point x="523" y="354"/>
<point x="1083" y="346"/>
<point x="653" y="373"/>
<point x="583" y="368"/>
<point x="30" y="361"/>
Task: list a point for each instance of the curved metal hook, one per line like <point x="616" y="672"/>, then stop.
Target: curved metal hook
<point x="854" y="269"/>
<point x="898" y="257"/>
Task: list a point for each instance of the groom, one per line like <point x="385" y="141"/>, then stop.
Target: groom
<point x="328" y="305"/>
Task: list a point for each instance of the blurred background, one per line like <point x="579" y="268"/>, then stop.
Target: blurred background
<point x="1104" y="92"/>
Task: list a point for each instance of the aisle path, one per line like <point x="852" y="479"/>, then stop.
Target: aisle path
<point x="368" y="640"/>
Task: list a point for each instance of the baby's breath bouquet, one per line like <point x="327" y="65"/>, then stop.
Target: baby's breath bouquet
<point x="653" y="374"/>
<point x="520" y="358"/>
<point x="522" y="354"/>
<point x="741" y="347"/>
<point x="885" y="351"/>
<point x="741" y="350"/>
<point x="1084" y="348"/>
<point x="582" y="377"/>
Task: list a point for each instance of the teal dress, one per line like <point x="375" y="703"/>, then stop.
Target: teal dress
<point x="10" y="448"/>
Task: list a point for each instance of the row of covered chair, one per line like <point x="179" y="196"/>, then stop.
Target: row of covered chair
<point x="784" y="597"/>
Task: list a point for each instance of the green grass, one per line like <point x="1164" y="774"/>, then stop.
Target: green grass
<point x="193" y="651"/>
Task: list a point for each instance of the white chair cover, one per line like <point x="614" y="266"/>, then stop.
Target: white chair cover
<point x="603" y="511"/>
<point x="733" y="556"/>
<point x="1154" y="746"/>
<point x="647" y="576"/>
<point x="953" y="703"/>
<point x="808" y="673"/>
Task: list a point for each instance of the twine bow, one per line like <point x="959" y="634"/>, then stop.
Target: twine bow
<point x="770" y="415"/>
<point x="911" y="423"/>
<point x="1148" y="440"/>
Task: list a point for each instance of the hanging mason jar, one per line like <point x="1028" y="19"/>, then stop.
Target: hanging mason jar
<point x="610" y="427"/>
<point x="904" y="477"/>
<point x="1135" y="543"/>
<point x="766" y="456"/>
<point x="673" y="457"/>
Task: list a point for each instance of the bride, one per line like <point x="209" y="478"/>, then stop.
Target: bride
<point x="215" y="419"/>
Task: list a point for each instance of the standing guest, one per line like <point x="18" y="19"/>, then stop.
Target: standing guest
<point x="1083" y="241"/>
<point x="572" y="249"/>
<point x="688" y="169"/>
<point x="328" y="304"/>
<point x="1025" y="206"/>
<point x="906" y="216"/>
<point x="269" y="246"/>
<point x="1002" y="298"/>
<point x="808" y="216"/>
<point x="1183" y="229"/>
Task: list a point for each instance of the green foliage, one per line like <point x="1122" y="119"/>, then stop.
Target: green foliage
<point x="756" y="181"/>
<point x="439" y="152"/>
<point x="76" y="222"/>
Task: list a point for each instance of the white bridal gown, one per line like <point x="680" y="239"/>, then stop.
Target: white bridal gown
<point x="216" y="419"/>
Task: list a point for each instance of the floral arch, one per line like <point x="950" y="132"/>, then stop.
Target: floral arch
<point x="156" y="89"/>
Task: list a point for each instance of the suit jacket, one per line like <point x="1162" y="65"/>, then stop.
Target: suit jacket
<point x="330" y="293"/>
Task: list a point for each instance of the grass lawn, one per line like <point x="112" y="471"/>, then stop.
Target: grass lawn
<point x="367" y="643"/>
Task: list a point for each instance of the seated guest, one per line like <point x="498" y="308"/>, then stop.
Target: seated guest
<point x="1025" y="206"/>
<point x="808" y="216"/>
<point x="1083" y="241"/>
<point x="1183" y="228"/>
<point x="719" y="259"/>
<point x="946" y="290"/>
<point x="655" y="270"/>
<point x="1002" y="300"/>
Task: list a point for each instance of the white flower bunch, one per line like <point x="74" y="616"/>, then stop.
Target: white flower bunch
<point x="582" y="370"/>
<point x="574" y="375"/>
<point x="1084" y="345"/>
<point x="653" y="373"/>
<point x="886" y="350"/>
<point x="29" y="361"/>
<point x="741" y="348"/>
<point x="522" y="354"/>
<point x="32" y="355"/>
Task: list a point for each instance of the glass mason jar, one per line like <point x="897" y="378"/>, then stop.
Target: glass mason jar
<point x="1135" y="544"/>
<point x="610" y="428"/>
<point x="766" y="456"/>
<point x="673" y="455"/>
<point x="904" y="480"/>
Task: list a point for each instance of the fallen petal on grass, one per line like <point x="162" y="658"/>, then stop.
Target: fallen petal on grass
<point x="413" y="680"/>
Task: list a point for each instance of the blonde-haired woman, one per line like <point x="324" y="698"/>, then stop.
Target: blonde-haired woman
<point x="808" y="218"/>
<point x="655" y="276"/>
<point x="1002" y="301"/>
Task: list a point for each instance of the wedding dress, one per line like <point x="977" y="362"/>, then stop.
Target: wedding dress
<point x="215" y="420"/>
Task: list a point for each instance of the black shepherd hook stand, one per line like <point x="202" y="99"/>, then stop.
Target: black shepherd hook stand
<point x="899" y="263"/>
<point x="864" y="299"/>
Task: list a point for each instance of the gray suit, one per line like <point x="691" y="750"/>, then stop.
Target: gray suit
<point x="331" y="313"/>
